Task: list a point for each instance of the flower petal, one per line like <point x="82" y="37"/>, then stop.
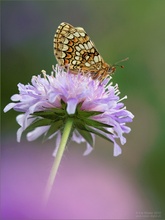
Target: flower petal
<point x="16" y="97"/>
<point x="19" y="134"/>
<point x="88" y="150"/>
<point x="63" y="91"/>
<point x="9" y="106"/>
<point x="117" y="150"/>
<point x="71" y="106"/>
<point x="37" y="132"/>
<point x="20" y="119"/>
<point x="58" y="139"/>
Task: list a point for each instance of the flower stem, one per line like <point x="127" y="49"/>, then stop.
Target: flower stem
<point x="64" y="139"/>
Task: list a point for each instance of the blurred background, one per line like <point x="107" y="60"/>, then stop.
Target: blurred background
<point x="98" y="186"/>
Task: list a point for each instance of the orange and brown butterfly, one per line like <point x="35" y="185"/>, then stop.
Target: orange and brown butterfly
<point x="74" y="49"/>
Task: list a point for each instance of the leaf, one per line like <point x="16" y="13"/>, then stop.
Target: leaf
<point x="53" y="114"/>
<point x="79" y="125"/>
<point x="105" y="131"/>
<point x="82" y="123"/>
<point x="87" y="114"/>
<point x="97" y="133"/>
<point x="38" y="123"/>
<point x="86" y="135"/>
<point x="63" y="105"/>
<point x="95" y="123"/>
<point x="55" y="126"/>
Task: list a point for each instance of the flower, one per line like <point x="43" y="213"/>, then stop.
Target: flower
<point x="49" y="101"/>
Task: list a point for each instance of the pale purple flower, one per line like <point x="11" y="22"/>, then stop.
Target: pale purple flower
<point x="94" y="105"/>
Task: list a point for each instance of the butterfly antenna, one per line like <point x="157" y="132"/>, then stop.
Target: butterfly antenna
<point x="123" y="60"/>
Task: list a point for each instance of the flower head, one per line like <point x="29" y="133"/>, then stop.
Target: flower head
<point x="49" y="101"/>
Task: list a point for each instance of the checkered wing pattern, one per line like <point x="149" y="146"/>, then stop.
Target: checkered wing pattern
<point x="74" y="49"/>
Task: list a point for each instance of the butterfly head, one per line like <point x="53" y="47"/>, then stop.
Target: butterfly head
<point x="111" y="69"/>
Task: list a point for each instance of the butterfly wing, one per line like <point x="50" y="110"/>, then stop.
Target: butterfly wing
<point x="73" y="47"/>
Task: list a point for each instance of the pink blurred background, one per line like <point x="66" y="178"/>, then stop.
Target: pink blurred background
<point x="86" y="187"/>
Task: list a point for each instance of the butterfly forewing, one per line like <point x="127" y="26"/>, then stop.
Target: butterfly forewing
<point x="74" y="49"/>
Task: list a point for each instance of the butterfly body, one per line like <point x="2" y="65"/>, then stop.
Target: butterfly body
<point x="74" y="49"/>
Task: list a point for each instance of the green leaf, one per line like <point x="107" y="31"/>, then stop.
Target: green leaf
<point x="95" y="123"/>
<point x="97" y="133"/>
<point x="82" y="123"/>
<point x="38" y="123"/>
<point x="63" y="105"/>
<point x="104" y="130"/>
<point x="86" y="135"/>
<point x="79" y="106"/>
<point x="53" y="114"/>
<point x="58" y="111"/>
<point x="55" y="126"/>
<point x="87" y="114"/>
<point x="80" y="126"/>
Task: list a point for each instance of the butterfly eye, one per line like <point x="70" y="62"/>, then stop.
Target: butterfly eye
<point x="111" y="69"/>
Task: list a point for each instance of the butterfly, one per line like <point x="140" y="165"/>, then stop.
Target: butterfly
<point x="73" y="48"/>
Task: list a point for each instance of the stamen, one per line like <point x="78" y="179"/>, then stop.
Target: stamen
<point x="125" y="97"/>
<point x="44" y="73"/>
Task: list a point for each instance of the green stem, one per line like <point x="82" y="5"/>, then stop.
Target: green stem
<point x="64" y="139"/>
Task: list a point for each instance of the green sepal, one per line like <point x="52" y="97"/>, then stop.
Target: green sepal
<point x="97" y="133"/>
<point x="86" y="135"/>
<point x="52" y="114"/>
<point x="38" y="123"/>
<point x="55" y="126"/>
<point x="56" y="117"/>
<point x="95" y="123"/>
<point x="63" y="105"/>
<point x="87" y="114"/>
<point x="81" y="126"/>
<point x="98" y="125"/>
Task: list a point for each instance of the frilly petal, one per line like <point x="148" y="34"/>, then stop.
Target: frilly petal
<point x="46" y="93"/>
<point x="19" y="134"/>
<point x="20" y="119"/>
<point x="15" y="98"/>
<point x="117" y="150"/>
<point x="58" y="139"/>
<point x="88" y="149"/>
<point x="9" y="106"/>
<point x="33" y="135"/>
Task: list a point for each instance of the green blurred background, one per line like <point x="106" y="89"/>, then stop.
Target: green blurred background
<point x="119" y="29"/>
